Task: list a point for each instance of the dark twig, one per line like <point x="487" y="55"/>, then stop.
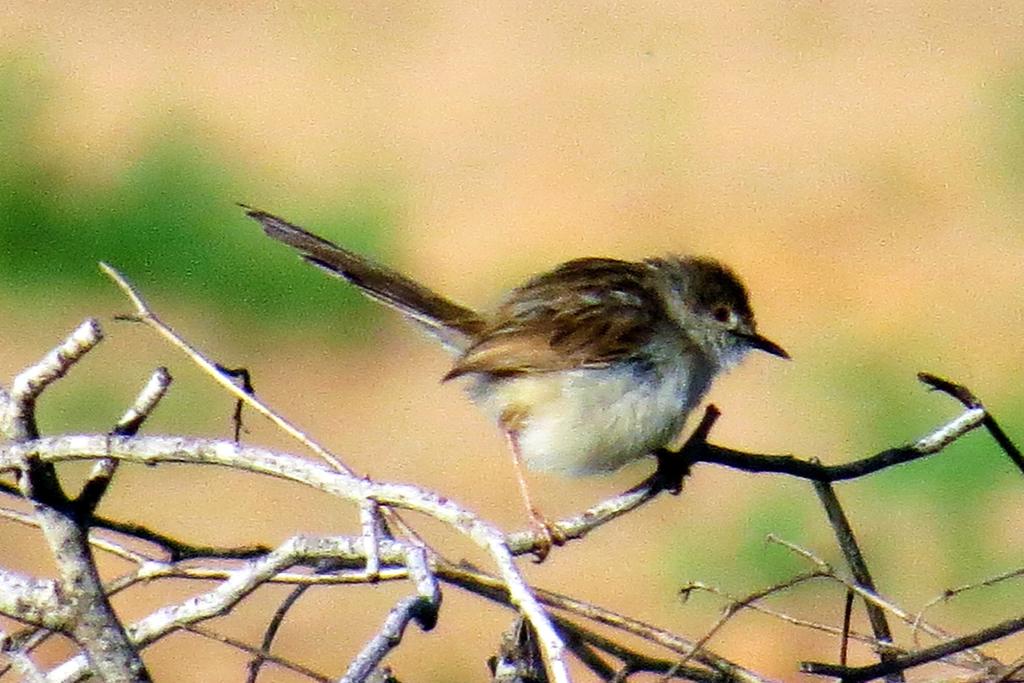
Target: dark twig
<point x="924" y="656"/>
<point x="588" y="654"/>
<point x="719" y="668"/>
<point x="735" y="606"/>
<point x="674" y="467"/>
<point x="844" y="643"/>
<point x="805" y="469"/>
<point x="421" y="608"/>
<point x="273" y="626"/>
<point x="969" y="400"/>
<point x="245" y="647"/>
<point x="247" y="387"/>
<point x="518" y="659"/>
<point x="855" y="560"/>
<point x="176" y="549"/>
<point x="129" y="424"/>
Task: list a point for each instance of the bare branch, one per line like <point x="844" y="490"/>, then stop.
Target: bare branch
<point x="146" y="315"/>
<point x="92" y="621"/>
<point x="969" y="400"/>
<point x="923" y="656"/>
<point x="17" y="419"/>
<point x="20" y="661"/>
<point x="855" y="560"/>
<point x="375" y="555"/>
<point x="103" y="471"/>
<point x="929" y="444"/>
<point x="152" y="450"/>
<point x="33" y="601"/>
<point x="951" y="593"/>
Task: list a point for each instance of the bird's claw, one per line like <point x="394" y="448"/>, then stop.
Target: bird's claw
<point x="549" y="534"/>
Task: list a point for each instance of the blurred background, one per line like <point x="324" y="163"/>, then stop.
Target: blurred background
<point x="859" y="165"/>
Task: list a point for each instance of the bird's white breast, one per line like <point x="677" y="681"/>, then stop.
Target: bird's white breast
<point x="591" y="420"/>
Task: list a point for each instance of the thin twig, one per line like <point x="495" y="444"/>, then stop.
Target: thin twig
<point x="923" y="656"/>
<point x="249" y="649"/>
<point x="491" y="588"/>
<point x="861" y="591"/>
<point x="858" y="566"/>
<point x="146" y="315"/>
<point x="782" y="616"/>
<point x="734" y="607"/>
<point x="103" y="471"/>
<point x="971" y="661"/>
<point x="93" y="622"/>
<point x="153" y="449"/>
<point x="969" y="400"/>
<point x="951" y="593"/>
<point x="844" y="643"/>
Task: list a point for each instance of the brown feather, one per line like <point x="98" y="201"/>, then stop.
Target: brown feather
<point x="455" y="325"/>
<point x="585" y="313"/>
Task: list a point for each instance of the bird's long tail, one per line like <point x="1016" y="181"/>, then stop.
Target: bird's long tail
<point x="454" y="325"/>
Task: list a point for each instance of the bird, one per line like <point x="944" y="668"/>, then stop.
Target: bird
<point x="585" y="367"/>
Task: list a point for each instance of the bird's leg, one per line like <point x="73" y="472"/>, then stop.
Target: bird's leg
<point x="549" y="533"/>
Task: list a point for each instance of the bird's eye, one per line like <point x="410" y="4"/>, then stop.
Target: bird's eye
<point x="722" y="314"/>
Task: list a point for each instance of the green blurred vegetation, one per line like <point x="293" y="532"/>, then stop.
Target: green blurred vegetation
<point x="964" y="482"/>
<point x="1009" y="127"/>
<point x="739" y="556"/>
<point x="169" y="222"/>
<point x="952" y="497"/>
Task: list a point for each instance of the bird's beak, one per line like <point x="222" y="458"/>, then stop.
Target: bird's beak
<point x="764" y="344"/>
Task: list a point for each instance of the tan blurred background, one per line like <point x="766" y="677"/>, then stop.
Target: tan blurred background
<point x="860" y="166"/>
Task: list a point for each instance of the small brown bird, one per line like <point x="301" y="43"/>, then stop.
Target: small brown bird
<point x="586" y="367"/>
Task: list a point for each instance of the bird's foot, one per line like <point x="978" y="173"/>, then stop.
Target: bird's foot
<point x="548" y="532"/>
<point x="672" y="469"/>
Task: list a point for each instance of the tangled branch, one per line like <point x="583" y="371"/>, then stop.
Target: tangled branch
<point x="554" y="627"/>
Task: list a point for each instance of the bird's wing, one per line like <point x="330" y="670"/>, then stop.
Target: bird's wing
<point x="585" y="313"/>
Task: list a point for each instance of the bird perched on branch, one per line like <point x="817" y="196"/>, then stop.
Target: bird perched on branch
<point x="586" y="367"/>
